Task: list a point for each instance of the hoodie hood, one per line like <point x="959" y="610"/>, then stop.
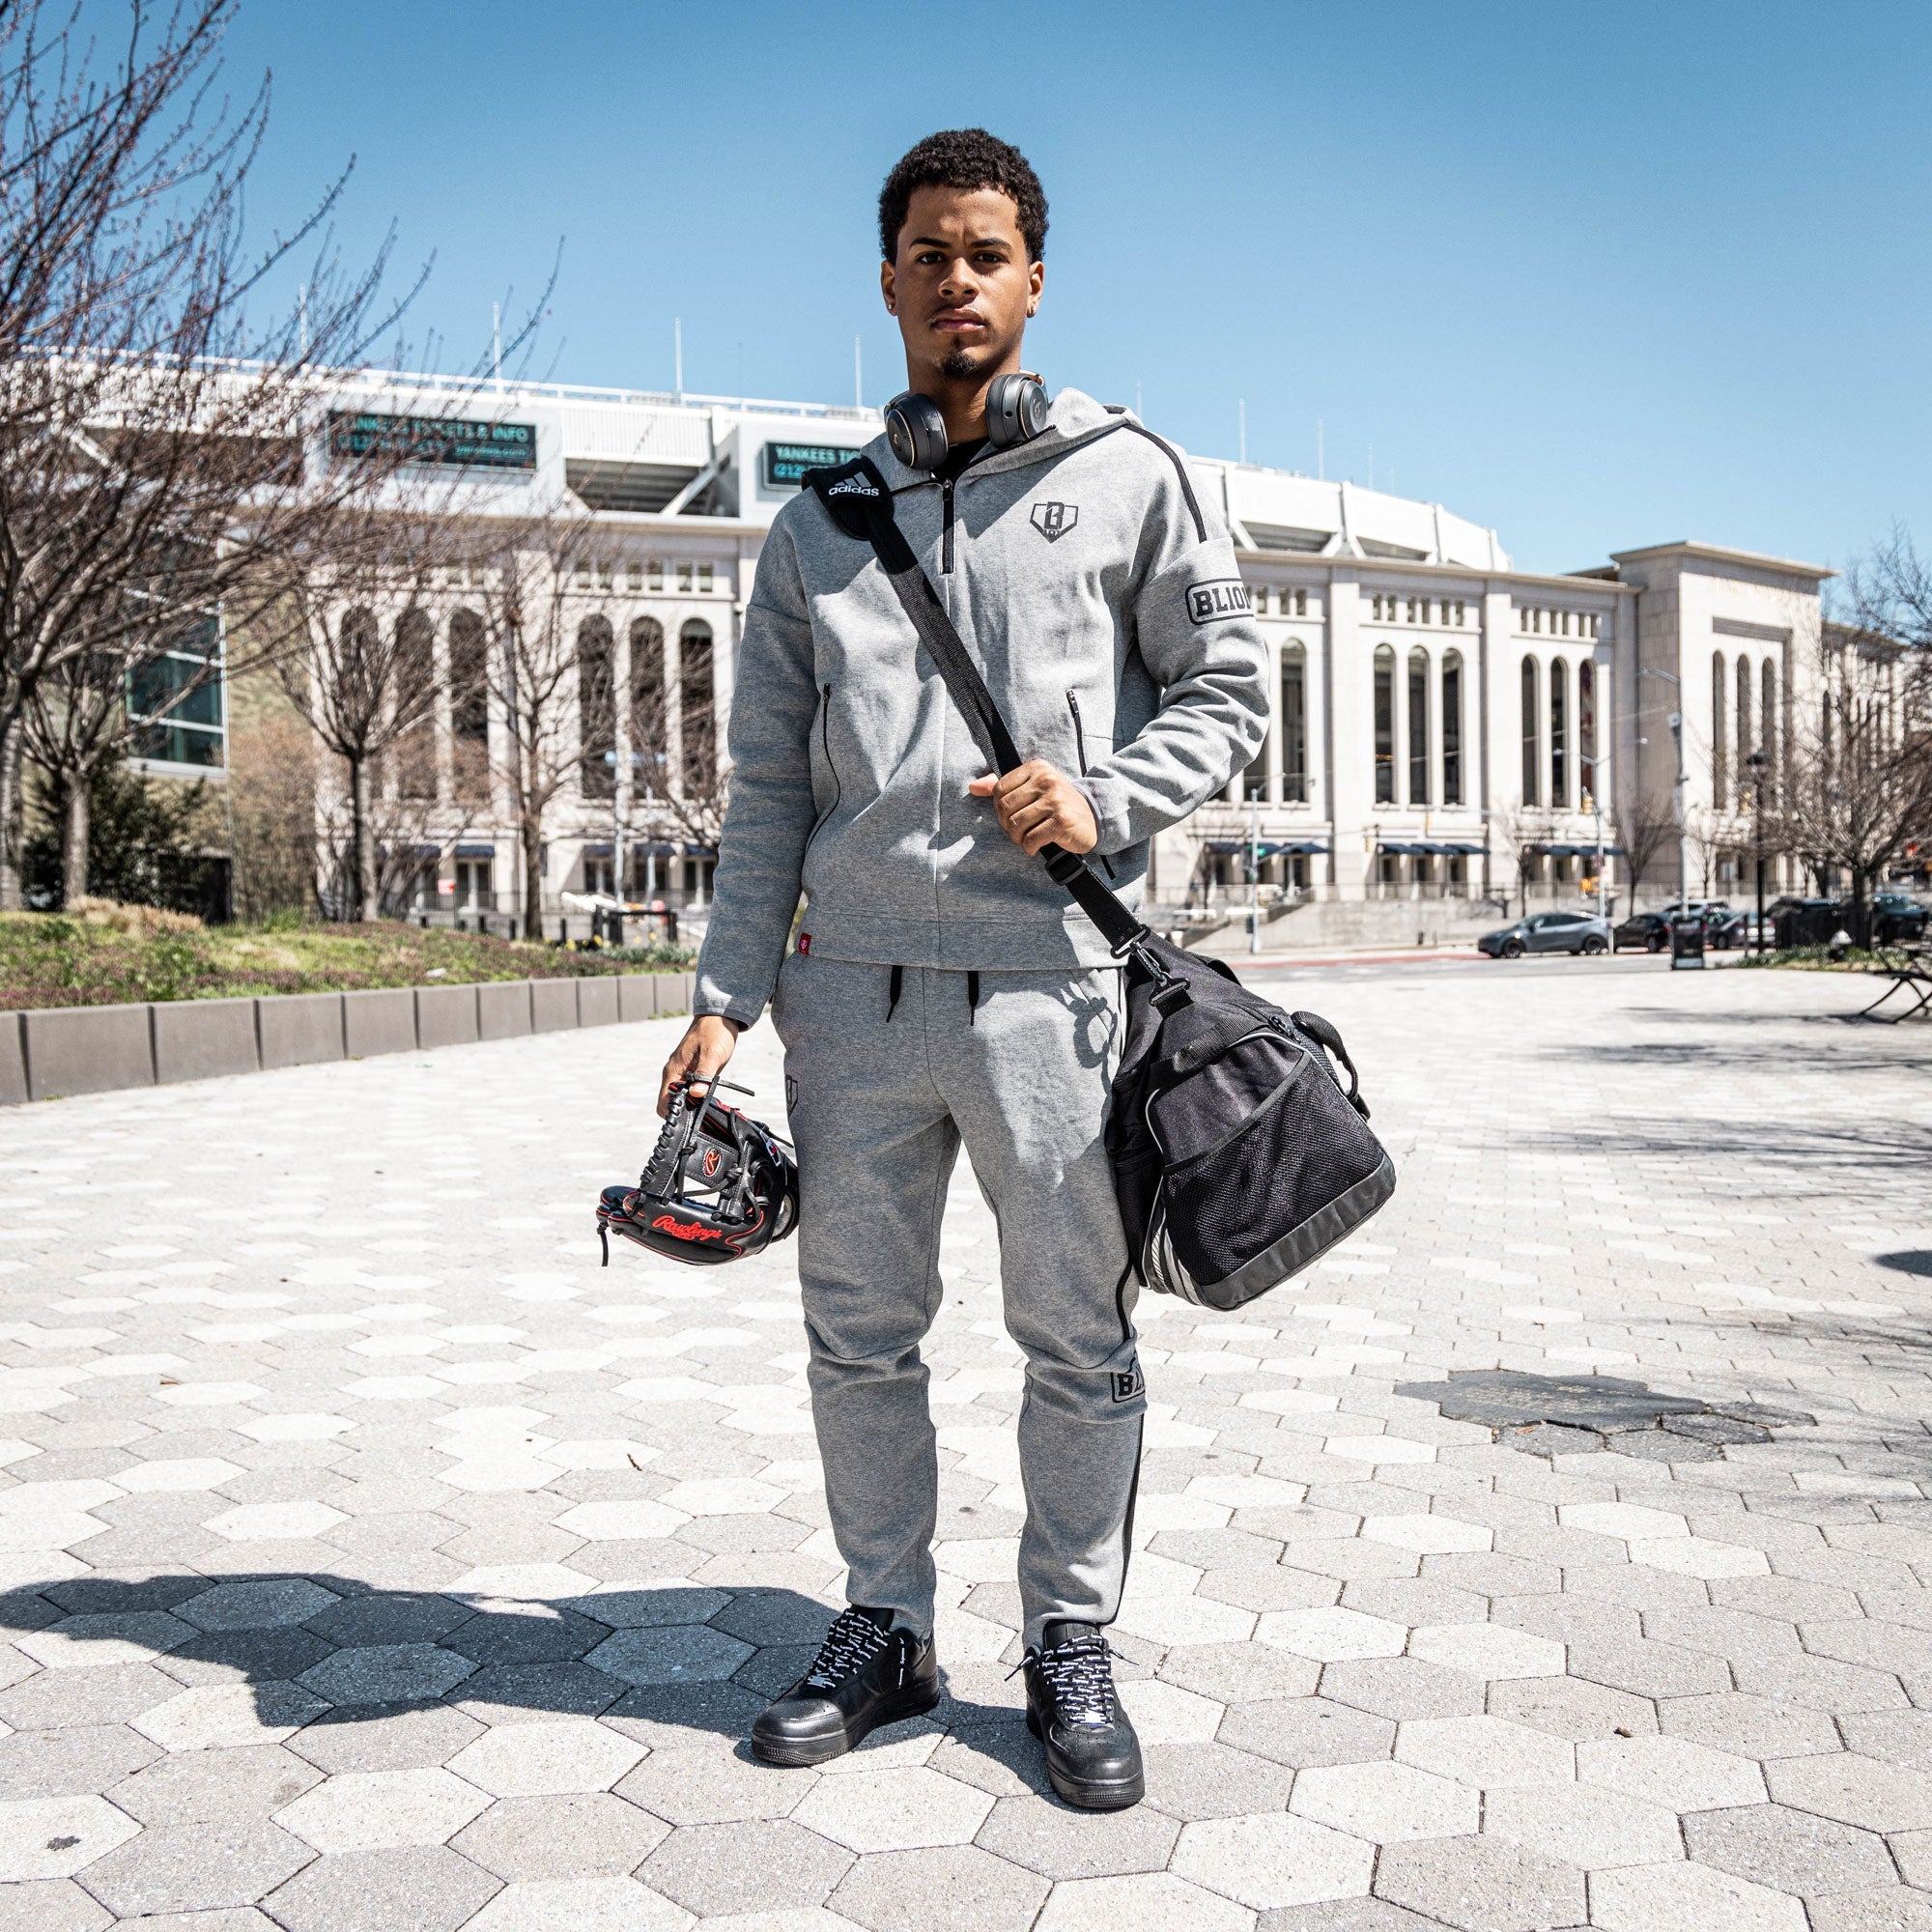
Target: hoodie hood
<point x="1071" y="420"/>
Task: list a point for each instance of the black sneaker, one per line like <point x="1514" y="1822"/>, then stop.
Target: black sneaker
<point x="1093" y="1756"/>
<point x="866" y="1674"/>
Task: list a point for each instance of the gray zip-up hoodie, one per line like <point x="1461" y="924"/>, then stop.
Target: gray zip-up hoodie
<point x="1099" y="596"/>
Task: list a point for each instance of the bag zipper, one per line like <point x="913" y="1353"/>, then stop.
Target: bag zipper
<point x="1080" y="752"/>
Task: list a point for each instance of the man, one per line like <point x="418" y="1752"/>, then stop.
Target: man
<point x="944" y="989"/>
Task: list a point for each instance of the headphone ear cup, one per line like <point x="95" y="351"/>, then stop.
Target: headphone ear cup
<point x="1015" y="410"/>
<point x="916" y="429"/>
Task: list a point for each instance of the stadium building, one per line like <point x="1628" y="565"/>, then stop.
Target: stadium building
<point x="1446" y="729"/>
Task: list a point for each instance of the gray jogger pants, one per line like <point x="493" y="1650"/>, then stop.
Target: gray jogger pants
<point x="882" y="1096"/>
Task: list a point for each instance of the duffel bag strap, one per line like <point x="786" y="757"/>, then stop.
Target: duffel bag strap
<point x="1325" y="1032"/>
<point x="859" y="503"/>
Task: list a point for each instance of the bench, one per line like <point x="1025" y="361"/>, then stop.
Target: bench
<point x="1915" y="977"/>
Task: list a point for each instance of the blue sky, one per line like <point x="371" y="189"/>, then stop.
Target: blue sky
<point x="1597" y="276"/>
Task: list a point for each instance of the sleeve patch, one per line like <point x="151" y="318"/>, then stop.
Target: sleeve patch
<point x="1217" y="599"/>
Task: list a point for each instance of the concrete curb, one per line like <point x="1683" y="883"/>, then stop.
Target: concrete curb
<point x="52" y="1052"/>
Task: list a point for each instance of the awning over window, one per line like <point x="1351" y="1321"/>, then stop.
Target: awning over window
<point x="602" y="851"/>
<point x="1266" y="848"/>
<point x="476" y="851"/>
<point x="1578" y="851"/>
<point x="1429" y="848"/>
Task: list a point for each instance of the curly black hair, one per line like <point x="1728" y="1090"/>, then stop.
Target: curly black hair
<point x="965" y="158"/>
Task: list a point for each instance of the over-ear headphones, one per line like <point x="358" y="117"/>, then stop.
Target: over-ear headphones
<point x="1015" y="413"/>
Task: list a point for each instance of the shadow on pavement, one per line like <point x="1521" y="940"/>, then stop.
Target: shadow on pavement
<point x="322" y="1650"/>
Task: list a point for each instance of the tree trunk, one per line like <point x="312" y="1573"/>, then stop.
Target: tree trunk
<point x="361" y="845"/>
<point x="532" y="880"/>
<point x="74" y="827"/>
<point x="12" y="745"/>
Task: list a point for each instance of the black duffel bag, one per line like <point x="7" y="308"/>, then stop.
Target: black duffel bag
<point x="1237" y="1158"/>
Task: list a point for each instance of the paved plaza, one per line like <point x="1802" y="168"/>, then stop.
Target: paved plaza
<point x="374" y="1560"/>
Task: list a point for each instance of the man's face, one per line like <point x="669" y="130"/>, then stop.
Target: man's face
<point x="961" y="285"/>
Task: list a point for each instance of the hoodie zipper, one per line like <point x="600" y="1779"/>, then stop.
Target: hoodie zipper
<point x="825" y="739"/>
<point x="1080" y="752"/>
<point x="946" y="541"/>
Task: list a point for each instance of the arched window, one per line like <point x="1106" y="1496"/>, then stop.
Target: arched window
<point x="1384" y="724"/>
<point x="1295" y="725"/>
<point x="597" y="708"/>
<point x="1746" y="741"/>
<point x="415" y="697"/>
<point x="1767" y="729"/>
<point x="1559" y="733"/>
<point x="1532" y="791"/>
<point x="1418" y="727"/>
<point x="650" y="733"/>
<point x="470" y="706"/>
<point x="1586" y="730"/>
<point x="1720" y="765"/>
<point x="697" y="711"/>
<point x="1451" y="728"/>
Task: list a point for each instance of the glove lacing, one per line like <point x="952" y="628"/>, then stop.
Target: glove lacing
<point x="1080" y="1674"/>
<point x="852" y="1642"/>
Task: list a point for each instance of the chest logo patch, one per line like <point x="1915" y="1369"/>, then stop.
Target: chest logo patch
<point x="1220" y="598"/>
<point x="1054" y="519"/>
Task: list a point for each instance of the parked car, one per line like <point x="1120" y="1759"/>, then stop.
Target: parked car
<point x="1547" y="932"/>
<point x="1895" y="916"/>
<point x="1642" y="931"/>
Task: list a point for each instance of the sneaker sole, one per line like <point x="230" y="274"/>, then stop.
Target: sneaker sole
<point x="790" y="1753"/>
<point x="1090" y="1794"/>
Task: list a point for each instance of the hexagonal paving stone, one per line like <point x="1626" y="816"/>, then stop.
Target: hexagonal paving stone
<point x="387" y="1673"/>
<point x="1307" y="1730"/>
<point x="1159" y="1902"/>
<point x="258" y="1603"/>
<point x="198" y="1787"/>
<point x="418" y="1888"/>
<point x="551" y="1756"/>
<point x="688" y="1785"/>
<point x="261" y="1523"/>
<point x="622" y="1520"/>
<point x="762" y="1867"/>
<point x="1330" y="1635"/>
<point x="1488" y="1752"/>
<point x="1051" y="1838"/>
<point x="1580" y="1825"/>
<point x="1790" y="1851"/>
<point x="582" y="1835"/>
<point x="1853" y="1790"/>
<point x="894" y="1810"/>
<point x="1482" y="1884"/>
<point x="379" y="1811"/>
<point x="611" y="1903"/>
<point x="216" y="1714"/>
<point x="1672" y="1771"/>
<point x="1273" y="1858"/>
<point x="669" y="1654"/>
<point x="128" y="1636"/>
<point x="55" y="1837"/>
<point x="1385" y="1802"/>
<point x="177" y="1474"/>
<point x="1688" y="1897"/>
<point x="203" y="1867"/>
<point x="1488" y="1651"/>
<point x="947" y="1889"/>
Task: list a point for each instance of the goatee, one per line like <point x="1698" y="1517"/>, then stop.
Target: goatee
<point x="958" y="366"/>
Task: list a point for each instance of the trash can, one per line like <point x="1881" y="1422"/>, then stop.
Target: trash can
<point x="1686" y="941"/>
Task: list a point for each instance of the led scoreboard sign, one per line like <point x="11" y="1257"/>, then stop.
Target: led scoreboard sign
<point x="439" y="440"/>
<point x="786" y="463"/>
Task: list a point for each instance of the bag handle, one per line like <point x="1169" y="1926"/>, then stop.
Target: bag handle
<point x="859" y="503"/>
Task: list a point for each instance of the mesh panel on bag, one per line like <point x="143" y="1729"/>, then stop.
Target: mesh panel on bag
<point x="1226" y="1208"/>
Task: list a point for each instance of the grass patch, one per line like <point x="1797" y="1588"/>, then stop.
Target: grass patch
<point x="110" y="955"/>
<point x="1818" y="959"/>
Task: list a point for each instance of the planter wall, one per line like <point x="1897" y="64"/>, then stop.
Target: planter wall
<point x="54" y="1052"/>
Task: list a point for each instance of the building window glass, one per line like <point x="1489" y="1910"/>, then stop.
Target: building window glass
<point x="597" y="708"/>
<point x="697" y="711"/>
<point x="1721" y="764"/>
<point x="469" y="707"/>
<point x="684" y="577"/>
<point x="657" y="573"/>
<point x="1451" y="728"/>
<point x="1531" y="734"/>
<point x="1418" y="727"/>
<point x="704" y="577"/>
<point x="175" y="697"/>
<point x="1586" y="727"/>
<point x="1767" y="729"/>
<point x="1258" y="599"/>
<point x="633" y="575"/>
<point x="1559" y="733"/>
<point x="1745" y="743"/>
<point x="415" y="685"/>
<point x="606" y="573"/>
<point x="1293" y="726"/>
<point x="1384" y="726"/>
<point x="1301" y="602"/>
<point x="650" y="735"/>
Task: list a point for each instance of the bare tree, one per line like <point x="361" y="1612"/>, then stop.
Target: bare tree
<point x="154" y="435"/>
<point x="1643" y="825"/>
<point x="682" y="785"/>
<point x="1858" y="788"/>
<point x="1521" y="832"/>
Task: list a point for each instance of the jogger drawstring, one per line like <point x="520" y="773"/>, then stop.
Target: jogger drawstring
<point x="972" y="999"/>
<point x="892" y="992"/>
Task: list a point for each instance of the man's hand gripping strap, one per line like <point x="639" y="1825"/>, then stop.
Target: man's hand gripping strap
<point x="858" y="502"/>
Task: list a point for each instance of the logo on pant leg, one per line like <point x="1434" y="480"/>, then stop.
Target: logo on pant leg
<point x="791" y="1091"/>
<point x="1129" y="1383"/>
